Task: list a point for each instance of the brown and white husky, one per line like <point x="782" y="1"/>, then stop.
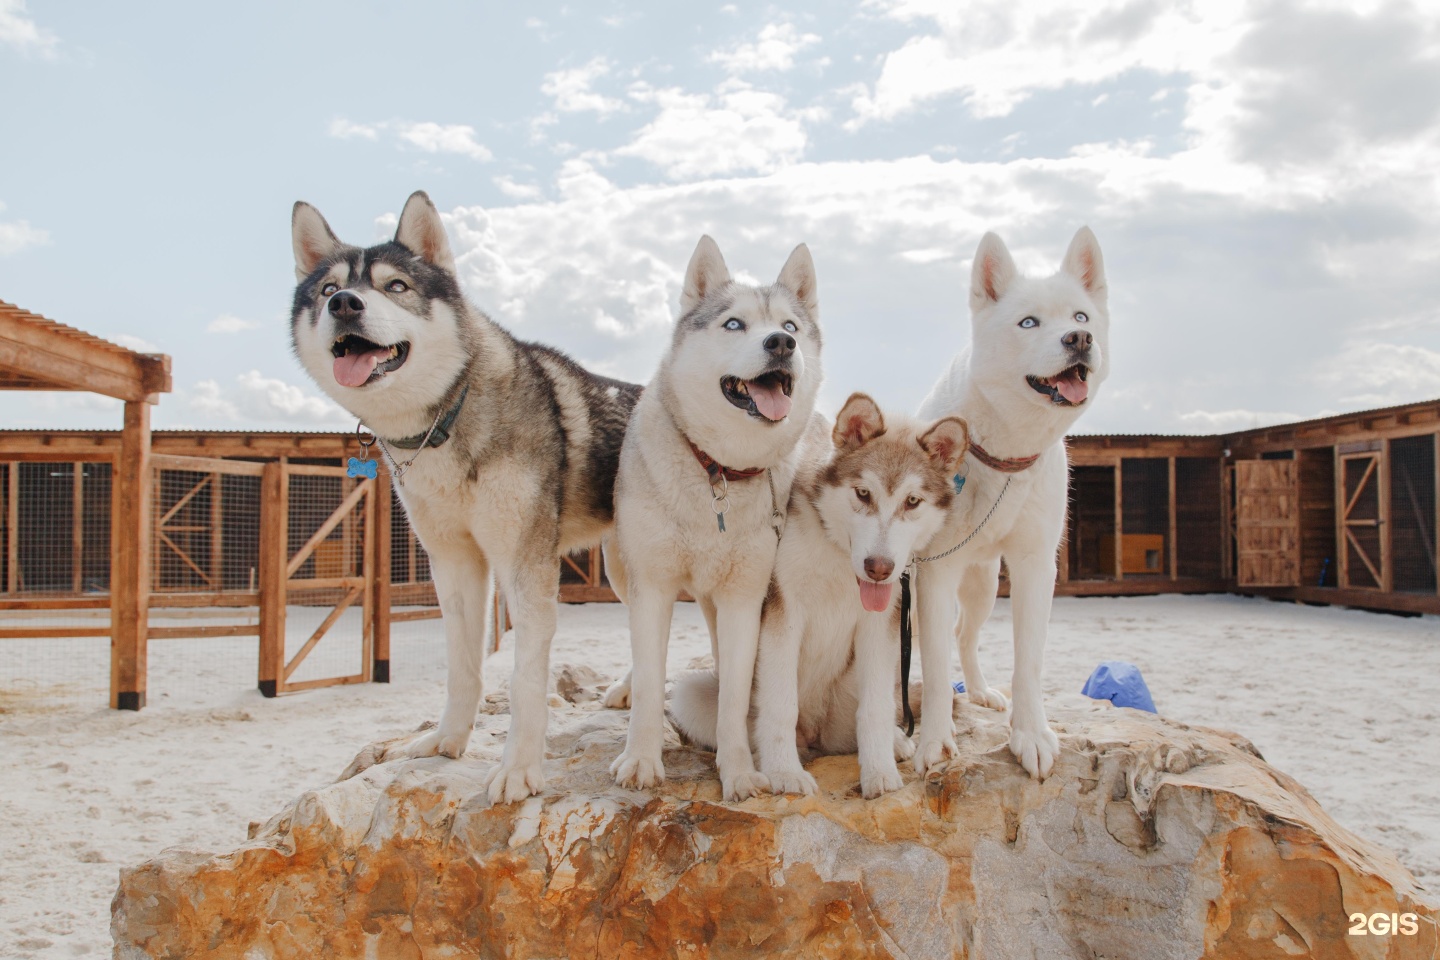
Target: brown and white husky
<point x="830" y="630"/>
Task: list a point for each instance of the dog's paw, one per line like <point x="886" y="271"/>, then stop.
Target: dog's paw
<point x="875" y="782"/>
<point x="1035" y="749"/>
<point x="617" y="697"/>
<point x="934" y="754"/>
<point x="744" y="785"/>
<point x="638" y="772"/>
<point x="791" y="781"/>
<point x="436" y="743"/>
<point x="989" y="697"/>
<point x="904" y="746"/>
<point x="509" y="783"/>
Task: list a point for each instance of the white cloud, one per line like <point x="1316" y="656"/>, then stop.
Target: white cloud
<point x="132" y="342"/>
<point x="773" y="49"/>
<point x="19" y="31"/>
<point x="426" y="136"/>
<point x="17" y="235"/>
<point x="228" y="323"/>
<point x="1380" y="374"/>
<point x="1233" y="421"/>
<point x="739" y="129"/>
<point x="520" y="191"/>
<point x="256" y="398"/>
<point x="573" y="91"/>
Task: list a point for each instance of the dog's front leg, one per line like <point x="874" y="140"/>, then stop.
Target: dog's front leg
<point x="935" y="588"/>
<point x="1032" y="589"/>
<point x="779" y="700"/>
<point x="738" y="628"/>
<point x="877" y="664"/>
<point x="532" y="593"/>
<point x="641" y="765"/>
<point x="978" y="587"/>
<point x="462" y="585"/>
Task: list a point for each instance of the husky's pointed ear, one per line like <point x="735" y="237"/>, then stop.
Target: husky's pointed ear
<point x="422" y="233"/>
<point x="992" y="273"/>
<point x="798" y="276"/>
<point x="1084" y="262"/>
<point x="312" y="238"/>
<point x="946" y="442"/>
<point x="857" y="423"/>
<point x="705" y="274"/>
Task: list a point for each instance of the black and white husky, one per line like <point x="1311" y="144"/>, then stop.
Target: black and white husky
<point x="830" y="630"/>
<point x="505" y="452"/>
<point x="704" y="477"/>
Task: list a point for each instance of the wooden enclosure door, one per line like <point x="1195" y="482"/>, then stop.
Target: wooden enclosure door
<point x="1267" y="523"/>
<point x="1360" y="516"/>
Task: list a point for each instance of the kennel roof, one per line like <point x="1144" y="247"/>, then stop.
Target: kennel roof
<point x="37" y="353"/>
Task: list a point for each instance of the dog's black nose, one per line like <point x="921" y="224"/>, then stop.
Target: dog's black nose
<point x="878" y="568"/>
<point x="780" y="344"/>
<point x="346" y="305"/>
<point x="1078" y="340"/>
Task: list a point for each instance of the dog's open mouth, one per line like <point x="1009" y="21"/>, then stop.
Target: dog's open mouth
<point x="1067" y="388"/>
<point x="766" y="397"/>
<point x="359" y="361"/>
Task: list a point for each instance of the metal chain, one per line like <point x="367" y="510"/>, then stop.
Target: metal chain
<point x="978" y="528"/>
<point x="400" y="468"/>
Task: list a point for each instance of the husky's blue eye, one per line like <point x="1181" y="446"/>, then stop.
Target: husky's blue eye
<point x="790" y="326"/>
<point x="734" y="324"/>
<point x="1029" y="322"/>
<point x="1081" y="318"/>
<point x="329" y="289"/>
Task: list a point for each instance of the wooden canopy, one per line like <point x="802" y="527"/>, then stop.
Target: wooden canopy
<point x="40" y="354"/>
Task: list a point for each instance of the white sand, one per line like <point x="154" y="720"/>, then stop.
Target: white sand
<point x="1347" y="702"/>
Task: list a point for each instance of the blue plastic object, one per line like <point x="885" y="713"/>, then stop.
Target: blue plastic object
<point x="1121" y="684"/>
<point x="959" y="686"/>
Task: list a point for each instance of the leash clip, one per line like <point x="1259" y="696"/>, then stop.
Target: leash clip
<point x="719" y="494"/>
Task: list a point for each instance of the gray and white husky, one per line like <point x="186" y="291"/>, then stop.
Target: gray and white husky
<point x="1039" y="351"/>
<point x="705" y="474"/>
<point x="505" y="452"/>
<point x="830" y="630"/>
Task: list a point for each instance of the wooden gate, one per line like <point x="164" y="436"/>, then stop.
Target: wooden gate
<point x="1360" y="516"/>
<point x="1267" y="523"/>
<point x="332" y="568"/>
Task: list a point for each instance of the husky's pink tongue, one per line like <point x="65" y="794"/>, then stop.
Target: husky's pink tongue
<point x="770" y="401"/>
<point x="1071" y="387"/>
<point x="353" y="369"/>
<point x="874" y="597"/>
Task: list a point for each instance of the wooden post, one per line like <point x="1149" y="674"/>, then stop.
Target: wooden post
<point x="1119" y="472"/>
<point x="1436" y="501"/>
<point x="1382" y="507"/>
<point x="1174" y="525"/>
<point x="1342" y="548"/>
<point x="12" y="523"/>
<point x="367" y="592"/>
<point x="381" y="575"/>
<point x="77" y="525"/>
<point x="217" y="534"/>
<point x="274" y="556"/>
<point x="130" y="560"/>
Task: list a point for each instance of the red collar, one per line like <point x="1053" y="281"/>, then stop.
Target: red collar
<point x="1013" y="465"/>
<point x="715" y="469"/>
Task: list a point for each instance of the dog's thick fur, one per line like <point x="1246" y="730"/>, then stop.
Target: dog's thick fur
<point x="1039" y="352"/>
<point x="526" y="476"/>
<point x="714" y="389"/>
<point x="830" y="630"/>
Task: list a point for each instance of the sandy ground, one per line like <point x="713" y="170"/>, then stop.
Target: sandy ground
<point x="1345" y="701"/>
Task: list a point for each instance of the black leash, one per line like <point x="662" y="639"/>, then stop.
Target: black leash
<point x="905" y="653"/>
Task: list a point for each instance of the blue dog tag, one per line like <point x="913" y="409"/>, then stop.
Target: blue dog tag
<point x="362" y="469"/>
<point x="959" y="483"/>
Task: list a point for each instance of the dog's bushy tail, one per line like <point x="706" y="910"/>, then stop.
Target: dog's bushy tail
<point x="695" y="706"/>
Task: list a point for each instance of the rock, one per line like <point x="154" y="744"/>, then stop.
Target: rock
<point x="578" y="683"/>
<point x="1151" y="840"/>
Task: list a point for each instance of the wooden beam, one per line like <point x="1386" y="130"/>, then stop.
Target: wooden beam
<point x="1119" y="520"/>
<point x="69" y="359"/>
<point x="382" y="500"/>
<point x="321" y="630"/>
<point x="130" y="515"/>
<point x="1387" y="566"/>
<point x="1174" y="525"/>
<point x="327" y="527"/>
<point x="12" y="524"/>
<point x="274" y="550"/>
<point x="196" y="633"/>
<point x="217" y="533"/>
<point x="77" y="526"/>
<point x="1342" y="559"/>
<point x="1436" y="501"/>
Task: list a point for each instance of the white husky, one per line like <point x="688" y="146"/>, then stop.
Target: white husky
<point x="704" y="477"/>
<point x="830" y="632"/>
<point x="1038" y="354"/>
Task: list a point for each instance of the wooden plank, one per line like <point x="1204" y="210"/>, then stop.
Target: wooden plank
<point x="1436" y="501"/>
<point x="54" y="603"/>
<point x="1267" y="529"/>
<point x="34" y="336"/>
<point x="325" y="583"/>
<point x="50" y="633"/>
<point x="217" y="532"/>
<point x="1367" y="599"/>
<point x="331" y="522"/>
<point x="405" y="616"/>
<point x="383" y="502"/>
<point x="315" y="470"/>
<point x="130" y="515"/>
<point x="320" y="631"/>
<point x="1342" y="559"/>
<point x="325" y="682"/>
<point x="1119" y="549"/>
<point x="1387" y="570"/>
<point x="1174" y="524"/>
<point x="12" y="523"/>
<point x="367" y="589"/>
<point x="180" y="504"/>
<point x="77" y="525"/>
<point x="59" y="372"/>
<point x="163" y="538"/>
<point x="196" y="633"/>
<point x="206" y="598"/>
<point x="239" y="468"/>
<point x="274" y="527"/>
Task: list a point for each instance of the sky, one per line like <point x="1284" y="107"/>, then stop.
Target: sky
<point x="1262" y="177"/>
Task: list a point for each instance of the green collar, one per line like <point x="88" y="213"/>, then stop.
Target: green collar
<point x="438" y="433"/>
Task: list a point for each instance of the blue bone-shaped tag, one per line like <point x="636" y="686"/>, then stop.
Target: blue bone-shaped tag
<point x="959" y="483"/>
<point x="362" y="469"/>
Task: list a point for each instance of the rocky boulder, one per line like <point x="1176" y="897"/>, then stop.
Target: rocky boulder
<point x="1152" y="840"/>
